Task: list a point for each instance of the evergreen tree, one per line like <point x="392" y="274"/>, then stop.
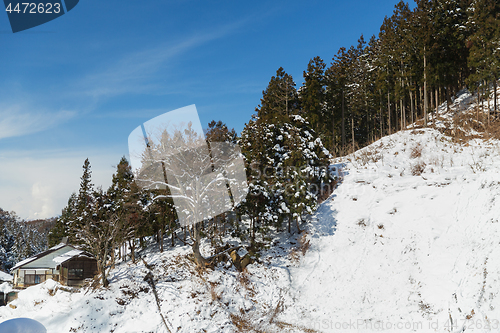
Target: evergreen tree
<point x="484" y="56"/>
<point x="282" y="155"/>
<point x="84" y="204"/>
<point x="279" y="100"/>
<point x="312" y="94"/>
<point x="62" y="227"/>
<point x="218" y="132"/>
<point x="123" y="200"/>
<point x="18" y="240"/>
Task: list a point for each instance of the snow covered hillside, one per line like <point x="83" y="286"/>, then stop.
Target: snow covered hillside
<point x="412" y="241"/>
<point x="409" y="241"/>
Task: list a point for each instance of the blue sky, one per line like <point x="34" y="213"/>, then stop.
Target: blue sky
<point x="77" y="86"/>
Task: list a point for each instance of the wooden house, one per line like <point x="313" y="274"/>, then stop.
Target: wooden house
<point x="63" y="263"/>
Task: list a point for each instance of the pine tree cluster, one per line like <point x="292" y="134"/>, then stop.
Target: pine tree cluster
<point x="18" y="240"/>
<point x="421" y="58"/>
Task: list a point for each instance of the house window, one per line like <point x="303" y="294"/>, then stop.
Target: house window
<point x="33" y="279"/>
<point x="75" y="273"/>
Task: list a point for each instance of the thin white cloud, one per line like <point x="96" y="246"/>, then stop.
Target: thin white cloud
<point x="133" y="72"/>
<point x="38" y="184"/>
<point x="22" y="119"/>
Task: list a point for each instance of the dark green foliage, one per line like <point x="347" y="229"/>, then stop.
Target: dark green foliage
<point x="484" y="54"/>
<point x="18" y="240"/>
<point x="312" y="94"/>
<point x="62" y="228"/>
<point x="283" y="156"/>
<point x="279" y="100"/>
<point x="218" y="132"/>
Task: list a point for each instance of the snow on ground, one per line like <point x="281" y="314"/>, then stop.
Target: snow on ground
<point x="464" y="103"/>
<point x="398" y="249"/>
<point x="409" y="241"/>
<point x="5" y="288"/>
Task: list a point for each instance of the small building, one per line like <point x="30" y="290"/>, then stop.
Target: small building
<point x="63" y="263"/>
<point x="7" y="295"/>
<point x="75" y="266"/>
<point x="5" y="288"/>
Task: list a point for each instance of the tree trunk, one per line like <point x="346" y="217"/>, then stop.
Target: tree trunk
<point x="131" y="244"/>
<point x="343" y="122"/>
<point x="124" y="257"/>
<point x="389" y="110"/>
<point x="482" y="99"/>
<point x="425" y="91"/>
<point x="403" y="115"/>
<point x="160" y="238"/>
<point x="299" y="231"/>
<point x="380" y="114"/>
<point x="333" y="134"/>
<point x="395" y="113"/>
<point x="488" y="91"/>
<point x="370" y="125"/>
<point x="104" y="279"/>
<point x="352" y="132"/>
<point x="412" y="109"/>
<point x="448" y="99"/>
<point x="495" y="96"/>
<point x="440" y="95"/>
<point x="403" y="111"/>
<point x="198" y="258"/>
<point x="477" y="109"/>
<point x="419" y="104"/>
<point x="113" y="258"/>
<point x="253" y="229"/>
<point x="437" y="104"/>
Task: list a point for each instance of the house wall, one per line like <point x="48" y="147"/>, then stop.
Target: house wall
<point x="87" y="265"/>
<point x="27" y="277"/>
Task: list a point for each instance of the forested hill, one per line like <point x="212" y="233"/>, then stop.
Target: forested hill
<point x="422" y="56"/>
<point x="20" y="239"/>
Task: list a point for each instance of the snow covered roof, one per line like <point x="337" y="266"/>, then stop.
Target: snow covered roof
<point x="40" y="255"/>
<point x="23" y="262"/>
<point x="69" y="255"/>
<point x="5" y="276"/>
<point x="58" y="246"/>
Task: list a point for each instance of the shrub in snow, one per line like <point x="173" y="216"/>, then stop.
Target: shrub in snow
<point x="418" y="168"/>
